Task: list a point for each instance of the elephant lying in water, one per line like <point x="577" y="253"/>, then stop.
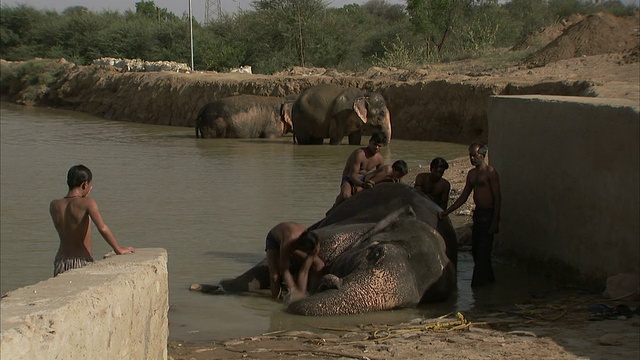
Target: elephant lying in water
<point x="384" y="248"/>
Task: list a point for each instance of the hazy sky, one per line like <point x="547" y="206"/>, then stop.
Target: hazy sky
<point x="177" y="7"/>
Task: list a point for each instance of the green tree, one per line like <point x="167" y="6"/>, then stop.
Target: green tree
<point x="292" y="18"/>
<point x="436" y="18"/>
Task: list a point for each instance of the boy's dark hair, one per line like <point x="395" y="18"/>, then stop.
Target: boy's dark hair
<point x="439" y="163"/>
<point x="77" y="175"/>
<point x="378" y="137"/>
<point x="401" y="167"/>
<point x="307" y="241"/>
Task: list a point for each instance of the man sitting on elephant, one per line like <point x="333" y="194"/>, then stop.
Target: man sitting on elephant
<point x="289" y="239"/>
<point x="360" y="162"/>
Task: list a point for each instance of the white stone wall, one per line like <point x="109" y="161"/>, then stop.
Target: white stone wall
<point x="137" y="65"/>
<point x="569" y="174"/>
<point x="113" y="309"/>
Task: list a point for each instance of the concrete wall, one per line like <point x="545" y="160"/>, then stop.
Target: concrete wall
<point x="569" y="174"/>
<point x="113" y="309"/>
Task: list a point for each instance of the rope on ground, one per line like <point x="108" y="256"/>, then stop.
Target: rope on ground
<point x="438" y="327"/>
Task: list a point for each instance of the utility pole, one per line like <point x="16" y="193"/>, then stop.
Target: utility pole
<point x="191" y="34"/>
<point x="208" y="13"/>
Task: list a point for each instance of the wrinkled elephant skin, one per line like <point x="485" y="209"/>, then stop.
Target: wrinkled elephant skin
<point x="384" y="248"/>
<point x="245" y="116"/>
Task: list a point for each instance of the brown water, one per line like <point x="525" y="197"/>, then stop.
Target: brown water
<point x="208" y="202"/>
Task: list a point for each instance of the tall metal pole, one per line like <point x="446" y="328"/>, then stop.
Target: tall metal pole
<point x="191" y="34"/>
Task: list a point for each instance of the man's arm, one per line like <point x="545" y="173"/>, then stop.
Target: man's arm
<point x="460" y="200"/>
<point x="497" y="201"/>
<point x="443" y="198"/>
<point x="285" y="263"/>
<point x="380" y="174"/>
<point x="417" y="184"/>
<point x="107" y="234"/>
<point x="303" y="275"/>
<point x="355" y="161"/>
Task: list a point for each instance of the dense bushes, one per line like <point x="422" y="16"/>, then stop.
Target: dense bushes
<point x="279" y="34"/>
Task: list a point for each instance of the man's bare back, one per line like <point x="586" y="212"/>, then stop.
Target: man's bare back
<point x="72" y="222"/>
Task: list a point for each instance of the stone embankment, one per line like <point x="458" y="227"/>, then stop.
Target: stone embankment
<point x="451" y="108"/>
<point x="116" y="308"/>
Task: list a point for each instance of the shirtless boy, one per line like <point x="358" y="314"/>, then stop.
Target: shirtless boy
<point x="385" y="173"/>
<point x="483" y="181"/>
<point x="71" y="216"/>
<point x="283" y="241"/>
<point x="359" y="163"/>
<point x="433" y="185"/>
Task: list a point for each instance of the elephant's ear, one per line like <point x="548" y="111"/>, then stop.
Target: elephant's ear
<point x="285" y="116"/>
<point x="360" y="107"/>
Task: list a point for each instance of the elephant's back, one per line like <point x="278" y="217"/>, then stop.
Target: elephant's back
<point x="314" y="106"/>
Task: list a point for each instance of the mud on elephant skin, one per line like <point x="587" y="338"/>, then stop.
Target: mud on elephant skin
<point x="245" y="116"/>
<point x="331" y="111"/>
<point x="382" y="251"/>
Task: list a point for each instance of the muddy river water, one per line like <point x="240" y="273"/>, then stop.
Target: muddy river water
<point x="209" y="203"/>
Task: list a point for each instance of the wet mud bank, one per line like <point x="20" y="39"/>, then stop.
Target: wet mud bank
<point x="447" y="109"/>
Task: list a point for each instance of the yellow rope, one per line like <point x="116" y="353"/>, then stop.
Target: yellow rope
<point x="437" y="327"/>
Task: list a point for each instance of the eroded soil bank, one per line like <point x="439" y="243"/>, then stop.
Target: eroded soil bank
<point x="430" y="104"/>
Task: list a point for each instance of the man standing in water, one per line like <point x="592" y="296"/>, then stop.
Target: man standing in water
<point x="359" y="163"/>
<point x="483" y="181"/>
<point x="71" y="216"/>
<point x="433" y="185"/>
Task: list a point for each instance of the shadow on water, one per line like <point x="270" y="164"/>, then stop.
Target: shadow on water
<point x="242" y="257"/>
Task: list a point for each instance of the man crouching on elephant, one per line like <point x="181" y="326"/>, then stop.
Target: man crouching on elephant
<point x="289" y="239"/>
<point x="359" y="163"/>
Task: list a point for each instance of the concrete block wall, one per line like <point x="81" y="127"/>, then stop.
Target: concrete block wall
<point x="569" y="175"/>
<point x="115" y="308"/>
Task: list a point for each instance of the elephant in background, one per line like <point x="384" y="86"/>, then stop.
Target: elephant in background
<point x="384" y="248"/>
<point x="332" y="111"/>
<point x="245" y="116"/>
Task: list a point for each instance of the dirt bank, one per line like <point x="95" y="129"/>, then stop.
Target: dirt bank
<point x="436" y="103"/>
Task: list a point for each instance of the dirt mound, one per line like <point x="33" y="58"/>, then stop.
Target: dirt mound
<point x="548" y="34"/>
<point x="596" y="34"/>
<point x="633" y="56"/>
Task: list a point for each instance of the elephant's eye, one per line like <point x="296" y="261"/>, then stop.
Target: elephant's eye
<point x="375" y="253"/>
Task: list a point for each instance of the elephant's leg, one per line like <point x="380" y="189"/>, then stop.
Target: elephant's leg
<point x="256" y="278"/>
<point x="302" y="139"/>
<point x="355" y="138"/>
<point x="335" y="141"/>
<point x="315" y="141"/>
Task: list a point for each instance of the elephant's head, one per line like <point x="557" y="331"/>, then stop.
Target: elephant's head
<point x="392" y="266"/>
<point x="372" y="110"/>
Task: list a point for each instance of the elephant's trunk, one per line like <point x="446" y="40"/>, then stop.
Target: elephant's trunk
<point x="386" y="127"/>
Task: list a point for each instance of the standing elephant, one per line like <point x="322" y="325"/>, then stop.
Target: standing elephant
<point x="332" y="111"/>
<point x="245" y="116"/>
<point x="384" y="248"/>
